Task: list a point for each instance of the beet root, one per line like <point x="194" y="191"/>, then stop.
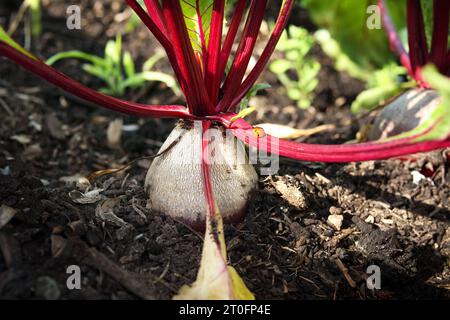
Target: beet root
<point x="174" y="181"/>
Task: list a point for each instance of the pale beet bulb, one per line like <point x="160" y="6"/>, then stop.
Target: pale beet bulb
<point x="174" y="181"/>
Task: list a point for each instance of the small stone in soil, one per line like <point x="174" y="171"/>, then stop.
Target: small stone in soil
<point x="335" y="220"/>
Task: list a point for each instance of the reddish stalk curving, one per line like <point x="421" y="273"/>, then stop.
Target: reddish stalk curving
<point x="243" y="54"/>
<point x="419" y="54"/>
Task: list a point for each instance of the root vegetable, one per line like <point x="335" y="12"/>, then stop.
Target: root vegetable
<point x="174" y="179"/>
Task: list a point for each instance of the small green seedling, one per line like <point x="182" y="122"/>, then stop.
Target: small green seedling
<point x="36" y="17"/>
<point x="118" y="70"/>
<point x="133" y="21"/>
<point x="296" y="71"/>
<point x="382" y="85"/>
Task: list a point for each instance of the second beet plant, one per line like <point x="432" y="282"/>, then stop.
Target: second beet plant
<point x="200" y="170"/>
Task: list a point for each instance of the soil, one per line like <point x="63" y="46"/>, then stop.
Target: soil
<point x="49" y="141"/>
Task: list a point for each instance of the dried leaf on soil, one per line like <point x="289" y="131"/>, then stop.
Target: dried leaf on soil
<point x="86" y="198"/>
<point x="286" y="132"/>
<point x="104" y="212"/>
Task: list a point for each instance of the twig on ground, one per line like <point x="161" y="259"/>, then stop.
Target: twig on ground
<point x="18" y="18"/>
<point x="344" y="271"/>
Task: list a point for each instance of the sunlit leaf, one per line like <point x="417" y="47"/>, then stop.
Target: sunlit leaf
<point x="75" y="54"/>
<point x="113" y="50"/>
<point x="280" y="66"/>
<point x="36" y="17"/>
<point x="150" y="63"/>
<point x="243" y="113"/>
<point x="128" y="64"/>
<point x="373" y="97"/>
<point x="97" y="72"/>
<point x="139" y="78"/>
<point x="301" y="80"/>
<point x="346" y="20"/>
<point x="342" y="61"/>
<point x="197" y="16"/>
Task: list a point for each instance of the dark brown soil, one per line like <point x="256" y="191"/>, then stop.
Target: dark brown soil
<point x="281" y="251"/>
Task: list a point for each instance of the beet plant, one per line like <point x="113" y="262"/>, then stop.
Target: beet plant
<point x="201" y="173"/>
<point x="427" y="24"/>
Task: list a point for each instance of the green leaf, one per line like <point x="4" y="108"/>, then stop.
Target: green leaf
<point x="197" y="16"/>
<point x="110" y="52"/>
<point x="243" y="113"/>
<point x="346" y="20"/>
<point x="381" y="85"/>
<point x="373" y="97"/>
<point x="97" y="72"/>
<point x="159" y="76"/>
<point x="134" y="21"/>
<point x="8" y="40"/>
<point x="150" y="63"/>
<point x="342" y="61"/>
<point x="106" y="76"/>
<point x="113" y="50"/>
<point x="294" y="94"/>
<point x="118" y="48"/>
<point x="293" y="55"/>
<point x="139" y="78"/>
<point x="301" y="80"/>
<point x="280" y="66"/>
<point x="134" y="81"/>
<point x="427" y="11"/>
<point x="256" y="88"/>
<point x="75" y="55"/>
<point x="108" y="91"/>
<point x="36" y="17"/>
<point x="128" y="64"/>
<point x="253" y="92"/>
